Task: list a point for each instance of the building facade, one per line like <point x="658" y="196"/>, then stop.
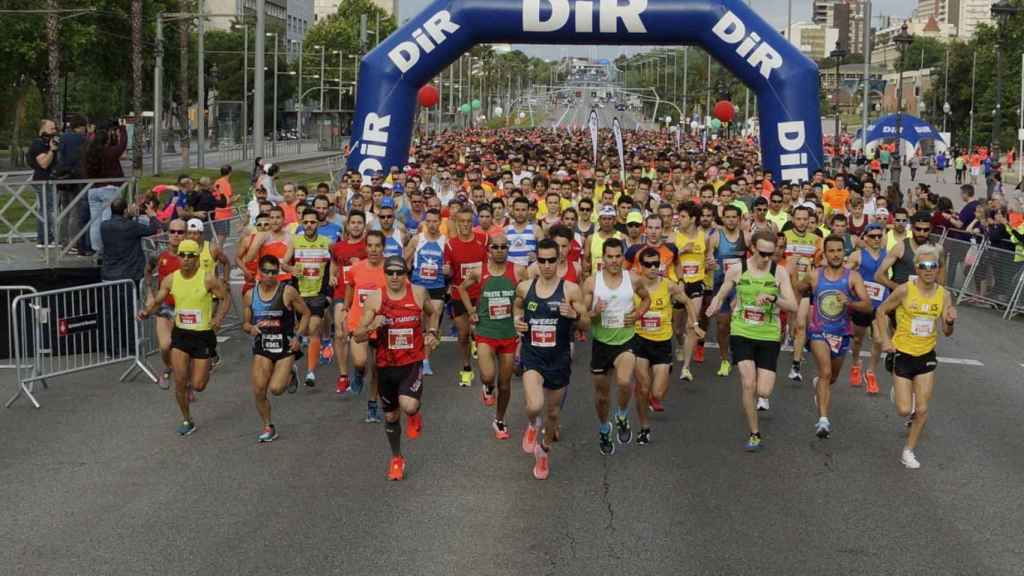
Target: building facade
<point x="847" y="17"/>
<point x="972" y="14"/>
<point x="815" y="41"/>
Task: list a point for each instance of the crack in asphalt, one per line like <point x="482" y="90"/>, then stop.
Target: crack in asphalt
<point x="610" y="526"/>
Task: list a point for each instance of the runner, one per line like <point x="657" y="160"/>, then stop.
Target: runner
<point x="919" y="305"/>
<point x="901" y="255"/>
<point x="210" y="254"/>
<point x="652" y="344"/>
<point x="312" y="254"/>
<point x="592" y="250"/>
<point x="394" y="233"/>
<point x="425" y="254"/>
<point x="836" y="291"/>
<point x="269" y="317"/>
<point x="165" y="264"/>
<point x="466" y="252"/>
<point x="364" y="279"/>
<point x="545" y="310"/>
<point x="866" y="260"/>
<point x="608" y="296"/>
<point x="693" y="250"/>
<point x="396" y="316"/>
<point x="194" y="337"/>
<point x="729" y="249"/>
<point x="803" y="252"/>
<point x="275" y="242"/>
<point x="492" y="320"/>
<point x="344" y="254"/>
<point x="521" y="235"/>
<point x="761" y="290"/>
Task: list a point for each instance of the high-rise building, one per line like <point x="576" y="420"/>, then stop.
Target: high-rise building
<point x="300" y="18"/>
<point x="944" y="11"/>
<point x="325" y="8"/>
<point x="814" y="40"/>
<point x="973" y="13"/>
<point x="846" y="16"/>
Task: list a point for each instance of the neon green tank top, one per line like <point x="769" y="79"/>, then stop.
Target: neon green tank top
<point x="750" y="320"/>
<point x="311" y="258"/>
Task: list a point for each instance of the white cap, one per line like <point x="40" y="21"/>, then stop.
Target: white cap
<point x="607" y="210"/>
<point x="194" y="225"/>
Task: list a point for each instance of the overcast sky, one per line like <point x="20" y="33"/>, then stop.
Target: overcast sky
<point x="773" y="10"/>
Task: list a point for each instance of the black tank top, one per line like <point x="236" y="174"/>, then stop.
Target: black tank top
<point x="275" y="321"/>
<point x="546" y="343"/>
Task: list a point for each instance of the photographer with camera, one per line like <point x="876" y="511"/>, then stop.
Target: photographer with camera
<point x="42" y="157"/>
<point x="69" y="167"/>
<point x="102" y="159"/>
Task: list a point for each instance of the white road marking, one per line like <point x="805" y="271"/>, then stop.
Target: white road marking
<point x="564" y="114"/>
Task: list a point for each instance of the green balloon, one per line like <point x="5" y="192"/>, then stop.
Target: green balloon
<point x="465" y="108"/>
<point x="476" y="104"/>
<point x="716" y="123"/>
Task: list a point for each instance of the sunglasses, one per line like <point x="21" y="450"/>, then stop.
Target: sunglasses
<point x="176" y="232"/>
<point x="651" y="263"/>
<point x="874" y="236"/>
<point x="900" y="220"/>
<point x="270" y="271"/>
<point x="188" y="254"/>
<point x="633" y="225"/>
<point x="394" y="272"/>
<point x="767" y="254"/>
<point x="551" y="260"/>
<point x="928" y="265"/>
<point x="499" y="246"/>
<point x="386" y="217"/>
<point x="920" y="229"/>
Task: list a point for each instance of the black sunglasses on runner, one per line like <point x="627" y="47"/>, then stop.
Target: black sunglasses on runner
<point x="270" y="271"/>
<point x="499" y="246"/>
<point x="395" y="272"/>
<point x="651" y="263"/>
<point x="768" y="254"/>
<point x="551" y="260"/>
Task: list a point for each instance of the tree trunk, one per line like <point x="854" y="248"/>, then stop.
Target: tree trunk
<point x="53" y="52"/>
<point x="20" y="107"/>
<point x="183" y="92"/>
<point x="137" y="85"/>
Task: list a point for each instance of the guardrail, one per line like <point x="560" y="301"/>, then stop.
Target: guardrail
<point x="7" y="296"/>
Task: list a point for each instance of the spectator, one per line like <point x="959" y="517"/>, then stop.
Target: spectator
<point x="123" y="259"/>
<point x="222" y="192"/>
<point x="42" y="157"/>
<point x="70" y="167"/>
<point x="202" y="204"/>
<point x="102" y="159"/>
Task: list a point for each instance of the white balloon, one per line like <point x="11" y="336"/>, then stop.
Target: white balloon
<point x="694" y="124"/>
<point x="522" y="115"/>
<point x="498" y="110"/>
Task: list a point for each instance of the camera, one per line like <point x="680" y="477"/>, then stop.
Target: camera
<point x="48" y="138"/>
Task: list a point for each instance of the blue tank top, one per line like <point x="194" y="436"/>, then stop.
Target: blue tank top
<point x="428" y="262"/>
<point x="830" y="316"/>
<point x="410" y="221"/>
<point x="393" y="244"/>
<point x="728" y="253"/>
<point x="868" y="266"/>
<point x="546" y="343"/>
<point x="520" y="244"/>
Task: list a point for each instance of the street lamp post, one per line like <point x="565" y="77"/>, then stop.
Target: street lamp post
<point x="838" y="54"/>
<point x="903" y="40"/>
<point x="1001" y="12"/>
<point x="298" y="103"/>
<point x="273" y="135"/>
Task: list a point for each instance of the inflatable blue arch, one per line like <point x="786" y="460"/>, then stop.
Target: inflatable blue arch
<point x="785" y="81"/>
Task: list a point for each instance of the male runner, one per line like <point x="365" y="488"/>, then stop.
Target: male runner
<point x="312" y="253"/>
<point x="692" y="243"/>
<point x="425" y="254"/>
<point x="521" y="235"/>
<point x="269" y="317"/>
<point x="491" y="317"/>
<point x="344" y="254"/>
<point x="194" y="337"/>
<point x="210" y="253"/>
<point x="919" y="305"/>
<point x="836" y="291"/>
<point x="901" y="256"/>
<point x="274" y="242"/>
<point x="728" y="248"/>
<point x="866" y="260"/>
<point x="761" y="290"/>
<point x="592" y="250"/>
<point x="803" y="252"/>
<point x="545" y="310"/>
<point x="466" y="253"/>
<point x="608" y="296"/>
<point x="396" y="316"/>
<point x="365" y="279"/>
<point x="394" y="233"/>
<point x="165" y="264"/>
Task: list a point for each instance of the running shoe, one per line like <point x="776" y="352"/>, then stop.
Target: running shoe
<point x="644" y="437"/>
<point x="396" y="468"/>
<point x="465" y="378"/>
<point x="655" y="404"/>
<point x="540" y="465"/>
<point x="680" y="354"/>
<point x="293" y="385"/>
<point x="341" y="386"/>
<point x="698" y="354"/>
<point x="855" y="376"/>
<point x="413" y="426"/>
<point x="753" y="443"/>
<point x="622" y="430"/>
<point x="358" y="379"/>
<point x="310" y="379"/>
<point x="686" y="375"/>
<point x="500" y="430"/>
<point x="794" y="374"/>
<point x="372" y="413"/>
<point x="269" y="434"/>
<point x="472" y="349"/>
<point x="872" y="382"/>
<point x="326" y="351"/>
<point x="186" y="428"/>
<point x="606" y="444"/>
<point x="909" y="460"/>
<point x="763" y="405"/>
<point x="164" y="381"/>
<point x="823" y="428"/>
<point x="427" y="370"/>
<point x="487" y="396"/>
<point x="725" y="368"/>
<point x="529" y="439"/>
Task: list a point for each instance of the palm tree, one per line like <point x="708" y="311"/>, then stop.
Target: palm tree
<point x="53" y="52"/>
<point x="137" y="84"/>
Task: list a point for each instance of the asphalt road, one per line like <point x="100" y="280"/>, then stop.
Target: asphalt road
<point x="97" y="482"/>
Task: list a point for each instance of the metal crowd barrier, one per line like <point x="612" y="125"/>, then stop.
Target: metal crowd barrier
<point x="72" y="330"/>
<point x="7" y="296"/>
<point x="994" y="279"/>
<point x="18" y="206"/>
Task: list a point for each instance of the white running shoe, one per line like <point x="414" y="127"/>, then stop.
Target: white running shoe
<point x="762" y="405"/>
<point x="795" y="374"/>
<point x="909" y="460"/>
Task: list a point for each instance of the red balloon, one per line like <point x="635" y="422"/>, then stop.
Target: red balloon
<point x="428" y="96"/>
<point x="724" y="111"/>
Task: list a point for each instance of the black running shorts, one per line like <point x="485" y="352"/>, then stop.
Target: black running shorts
<point x="764" y="353"/>
<point x="395" y="381"/>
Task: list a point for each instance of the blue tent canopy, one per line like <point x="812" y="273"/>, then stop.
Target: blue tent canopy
<point x="912" y="131"/>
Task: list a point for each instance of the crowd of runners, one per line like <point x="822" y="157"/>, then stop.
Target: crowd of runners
<point x="530" y="251"/>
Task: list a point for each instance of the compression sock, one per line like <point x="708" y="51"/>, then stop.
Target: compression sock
<point x="393" y="430"/>
<point x="313" y="357"/>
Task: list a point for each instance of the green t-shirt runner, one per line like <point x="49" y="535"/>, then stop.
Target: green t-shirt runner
<point x="749" y="319"/>
<point x="494" y="308"/>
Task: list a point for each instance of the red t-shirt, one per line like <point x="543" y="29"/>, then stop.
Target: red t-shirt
<point x="400" y="339"/>
<point x="344" y="254"/>
<point x="167" y="264"/>
<point x="365" y="280"/>
<point x="465" y="257"/>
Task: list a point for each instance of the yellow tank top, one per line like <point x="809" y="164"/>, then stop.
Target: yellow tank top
<point x="692" y="262"/>
<point x="193" y="303"/>
<point x="207" y="265"/>
<point x="656" y="323"/>
<point x="917" y="321"/>
<point x="596" y="246"/>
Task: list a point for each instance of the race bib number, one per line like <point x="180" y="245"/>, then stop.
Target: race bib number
<point x="875" y="290"/>
<point x="400" y="338"/>
<point x="310" y="270"/>
<point x="365" y="293"/>
<point x="802" y="265"/>
<point x="613" y="319"/>
<point x="835" y="343"/>
<point x="542" y="335"/>
<point x="344" y="273"/>
<point x="754" y="315"/>
<point x="428" y="271"/>
<point x="499" y="308"/>
<point x="650" y="322"/>
<point x="691" y="268"/>
<point x="470" y="268"/>
<point x="273" y="343"/>
<point x="731" y="264"/>
<point x="189" y="317"/>
<point x="922" y="326"/>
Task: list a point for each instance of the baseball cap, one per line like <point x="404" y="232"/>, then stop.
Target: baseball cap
<point x="873" y="226"/>
<point x="194" y="225"/>
<point x="394" y="263"/>
<point x="387" y="202"/>
<point x="634" y="217"/>
<point x="188" y="247"/>
<point x="606" y="210"/>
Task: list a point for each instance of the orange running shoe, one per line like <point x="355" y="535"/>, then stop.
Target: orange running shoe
<point x="855" y="379"/>
<point x="487" y="398"/>
<point x="541" y="464"/>
<point x="414" y="426"/>
<point x="655" y="404"/>
<point x="396" y="469"/>
<point x="341" y="386"/>
<point x="698" y="354"/>
<point x="872" y="382"/>
<point x="529" y="439"/>
<point x="500" y="429"/>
